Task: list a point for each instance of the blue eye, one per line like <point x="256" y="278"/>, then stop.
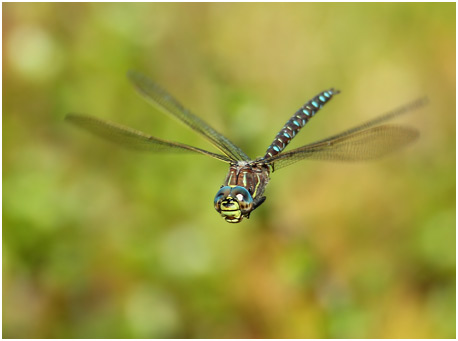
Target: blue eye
<point x="242" y="195"/>
<point x="221" y="194"/>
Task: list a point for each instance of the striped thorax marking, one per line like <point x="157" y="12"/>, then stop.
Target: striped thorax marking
<point x="253" y="176"/>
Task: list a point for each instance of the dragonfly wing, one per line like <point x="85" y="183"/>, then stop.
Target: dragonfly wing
<point x="132" y="138"/>
<point x="409" y="107"/>
<point x="157" y="96"/>
<point x="367" y="141"/>
<point x="367" y="144"/>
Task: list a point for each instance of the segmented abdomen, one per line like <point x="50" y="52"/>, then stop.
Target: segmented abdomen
<point x="297" y="121"/>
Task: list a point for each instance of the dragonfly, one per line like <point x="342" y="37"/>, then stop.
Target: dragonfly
<point x="245" y="183"/>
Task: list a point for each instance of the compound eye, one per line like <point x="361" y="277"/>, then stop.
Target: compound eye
<point x="221" y="195"/>
<point x="242" y="195"/>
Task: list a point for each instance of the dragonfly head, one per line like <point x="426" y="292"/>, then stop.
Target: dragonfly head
<point x="233" y="203"/>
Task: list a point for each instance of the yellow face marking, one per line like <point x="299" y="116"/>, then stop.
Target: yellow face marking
<point x="231" y="213"/>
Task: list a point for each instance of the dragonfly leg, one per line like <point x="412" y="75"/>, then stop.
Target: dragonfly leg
<point x="257" y="202"/>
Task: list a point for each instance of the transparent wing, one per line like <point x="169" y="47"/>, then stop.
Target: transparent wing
<point x="364" y="142"/>
<point x="134" y="139"/>
<point x="160" y="98"/>
<point x="363" y="145"/>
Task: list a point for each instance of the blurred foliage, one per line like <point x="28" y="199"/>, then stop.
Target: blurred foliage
<point x="103" y="242"/>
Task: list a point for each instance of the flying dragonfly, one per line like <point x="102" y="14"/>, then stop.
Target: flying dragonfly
<point x="243" y="189"/>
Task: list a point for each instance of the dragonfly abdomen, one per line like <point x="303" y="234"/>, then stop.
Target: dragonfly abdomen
<point x="297" y="121"/>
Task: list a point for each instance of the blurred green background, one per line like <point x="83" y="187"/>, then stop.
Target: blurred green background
<point x="103" y="242"/>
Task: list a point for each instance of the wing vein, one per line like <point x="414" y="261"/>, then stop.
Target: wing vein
<point x="134" y="139"/>
<point x="157" y="96"/>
